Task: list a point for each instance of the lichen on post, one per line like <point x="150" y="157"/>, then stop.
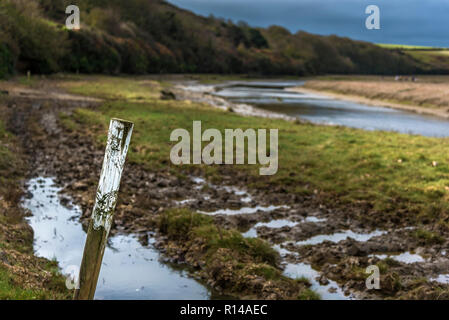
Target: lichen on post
<point x="119" y="137"/>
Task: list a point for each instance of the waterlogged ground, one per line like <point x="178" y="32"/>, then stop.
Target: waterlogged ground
<point x="129" y="270"/>
<point x="323" y="244"/>
<point x="329" y="246"/>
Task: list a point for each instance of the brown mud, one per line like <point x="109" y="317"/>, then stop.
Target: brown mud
<point x="75" y="160"/>
<point x="27" y="276"/>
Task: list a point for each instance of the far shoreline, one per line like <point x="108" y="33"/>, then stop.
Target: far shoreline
<point x="375" y="102"/>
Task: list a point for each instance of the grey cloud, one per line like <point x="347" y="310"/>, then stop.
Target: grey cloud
<point x="420" y="22"/>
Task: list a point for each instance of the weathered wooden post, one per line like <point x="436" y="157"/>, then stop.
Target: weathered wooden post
<point x="119" y="137"/>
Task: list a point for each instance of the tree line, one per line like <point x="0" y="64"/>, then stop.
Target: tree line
<point x="153" y="36"/>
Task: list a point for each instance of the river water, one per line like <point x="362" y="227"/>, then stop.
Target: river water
<point x="275" y="96"/>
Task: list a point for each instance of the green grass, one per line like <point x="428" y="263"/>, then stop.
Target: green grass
<point x="131" y="89"/>
<point x="233" y="259"/>
<point x="10" y="291"/>
<point x="386" y="173"/>
<point x="432" y="57"/>
<point x="428" y="237"/>
<point x="309" y="294"/>
<point x="183" y="224"/>
<point x="405" y="47"/>
<point x="178" y="223"/>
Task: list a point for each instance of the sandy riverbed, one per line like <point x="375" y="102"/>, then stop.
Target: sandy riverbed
<point x="422" y="98"/>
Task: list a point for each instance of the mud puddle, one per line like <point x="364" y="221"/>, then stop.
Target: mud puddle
<point x="315" y="244"/>
<point x="280" y="223"/>
<point x="244" y="210"/>
<point x="339" y="236"/>
<point x="405" y="257"/>
<point x="293" y="269"/>
<point x="442" y="278"/>
<point x="328" y="289"/>
<point x="129" y="270"/>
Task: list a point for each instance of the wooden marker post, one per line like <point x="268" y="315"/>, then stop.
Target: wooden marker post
<point x="119" y="136"/>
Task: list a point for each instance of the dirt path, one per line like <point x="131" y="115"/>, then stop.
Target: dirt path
<point x="301" y="235"/>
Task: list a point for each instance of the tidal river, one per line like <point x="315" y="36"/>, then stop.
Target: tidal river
<point x="275" y="96"/>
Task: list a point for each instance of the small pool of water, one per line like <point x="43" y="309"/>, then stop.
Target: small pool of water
<point x="405" y="257"/>
<point x="243" y="210"/>
<point x="442" y="278"/>
<point x="252" y="233"/>
<point x="314" y="219"/>
<point x="201" y="182"/>
<point x="339" y="236"/>
<point x="129" y="270"/>
<point x="329" y="291"/>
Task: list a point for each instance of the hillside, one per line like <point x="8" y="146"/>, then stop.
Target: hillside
<point x="432" y="58"/>
<point x="152" y="36"/>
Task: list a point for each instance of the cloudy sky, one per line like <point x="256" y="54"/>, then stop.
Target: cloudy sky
<point x="414" y="22"/>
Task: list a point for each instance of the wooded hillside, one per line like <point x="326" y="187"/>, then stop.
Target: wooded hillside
<point x="152" y="36"/>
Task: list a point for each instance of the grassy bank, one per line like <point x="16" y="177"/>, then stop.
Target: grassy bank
<point x="433" y="58"/>
<point x="405" y="46"/>
<point x="243" y="267"/>
<point x="22" y="275"/>
<point x="428" y="94"/>
<point x="379" y="176"/>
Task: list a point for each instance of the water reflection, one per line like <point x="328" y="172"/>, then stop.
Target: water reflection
<point x="129" y="270"/>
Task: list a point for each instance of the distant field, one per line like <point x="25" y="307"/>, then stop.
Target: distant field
<point x="438" y="59"/>
<point x="435" y="58"/>
<point x="405" y="47"/>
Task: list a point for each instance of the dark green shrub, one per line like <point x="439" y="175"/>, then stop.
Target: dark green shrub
<point x="6" y="61"/>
